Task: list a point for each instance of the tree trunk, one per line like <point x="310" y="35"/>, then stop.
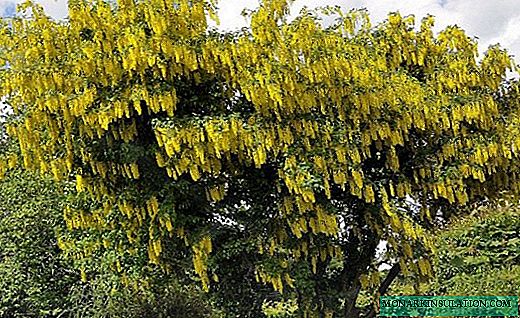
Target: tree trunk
<point x="351" y="311"/>
<point x="358" y="256"/>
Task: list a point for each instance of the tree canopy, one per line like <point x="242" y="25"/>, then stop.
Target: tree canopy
<point x="281" y="154"/>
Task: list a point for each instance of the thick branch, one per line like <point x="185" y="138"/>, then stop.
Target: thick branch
<point x="392" y="274"/>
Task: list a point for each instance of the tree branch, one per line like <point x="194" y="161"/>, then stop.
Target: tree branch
<point x="392" y="274"/>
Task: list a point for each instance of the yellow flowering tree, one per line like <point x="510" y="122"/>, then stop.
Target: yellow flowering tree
<point x="288" y="150"/>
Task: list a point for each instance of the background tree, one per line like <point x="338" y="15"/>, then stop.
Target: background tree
<point x="288" y="148"/>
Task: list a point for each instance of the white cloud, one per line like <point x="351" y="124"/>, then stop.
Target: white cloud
<point x="509" y="37"/>
<point x="54" y="8"/>
<point x="230" y="13"/>
<point x="484" y="18"/>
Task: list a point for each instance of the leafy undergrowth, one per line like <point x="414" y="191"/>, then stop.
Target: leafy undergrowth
<point x="476" y="256"/>
<point x="480" y="255"/>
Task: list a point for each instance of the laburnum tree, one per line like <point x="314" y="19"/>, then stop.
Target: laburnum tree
<point x="275" y="158"/>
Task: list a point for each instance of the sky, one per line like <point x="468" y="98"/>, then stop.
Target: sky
<point x="491" y="21"/>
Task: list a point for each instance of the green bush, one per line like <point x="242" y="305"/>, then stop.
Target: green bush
<point x="34" y="279"/>
<point x="476" y="256"/>
<point x="480" y="255"/>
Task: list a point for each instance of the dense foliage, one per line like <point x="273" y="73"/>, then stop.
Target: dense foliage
<point x="476" y="255"/>
<point x="34" y="279"/>
<point x="481" y="255"/>
<point x="37" y="282"/>
<point x="275" y="158"/>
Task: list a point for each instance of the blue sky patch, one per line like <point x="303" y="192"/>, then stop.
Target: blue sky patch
<point x="9" y="10"/>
